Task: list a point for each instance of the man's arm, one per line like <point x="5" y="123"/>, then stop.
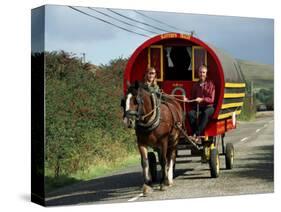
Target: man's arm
<point x="210" y="98"/>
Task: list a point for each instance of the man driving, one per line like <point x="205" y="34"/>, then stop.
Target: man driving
<point x="203" y="96"/>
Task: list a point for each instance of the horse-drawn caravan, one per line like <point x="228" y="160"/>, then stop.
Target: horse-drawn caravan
<point x="176" y="59"/>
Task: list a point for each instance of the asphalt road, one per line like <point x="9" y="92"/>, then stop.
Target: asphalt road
<point x="252" y="173"/>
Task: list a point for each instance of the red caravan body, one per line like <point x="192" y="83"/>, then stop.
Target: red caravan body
<point x="223" y="70"/>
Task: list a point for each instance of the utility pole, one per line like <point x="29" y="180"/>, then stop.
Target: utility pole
<point x="83" y="57"/>
<point x="252" y="93"/>
<point x="192" y="33"/>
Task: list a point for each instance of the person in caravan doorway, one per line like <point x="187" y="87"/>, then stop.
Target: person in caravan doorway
<point x="150" y="80"/>
<point x="203" y="96"/>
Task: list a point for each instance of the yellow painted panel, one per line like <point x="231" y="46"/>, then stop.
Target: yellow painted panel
<point x="225" y="115"/>
<point x="230" y="105"/>
<point x="235" y="85"/>
<point x="159" y="79"/>
<point x="234" y="95"/>
<point x="193" y="59"/>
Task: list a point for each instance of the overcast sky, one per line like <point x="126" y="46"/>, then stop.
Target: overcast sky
<point x="70" y="30"/>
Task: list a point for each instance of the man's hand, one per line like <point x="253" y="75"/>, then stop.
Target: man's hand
<point x="185" y="99"/>
<point x="199" y="100"/>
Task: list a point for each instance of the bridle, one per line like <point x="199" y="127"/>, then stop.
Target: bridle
<point x="136" y="113"/>
<point x="139" y="115"/>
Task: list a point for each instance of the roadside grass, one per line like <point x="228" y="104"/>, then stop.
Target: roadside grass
<point x="103" y="168"/>
<point x="248" y="110"/>
<point x="246" y="116"/>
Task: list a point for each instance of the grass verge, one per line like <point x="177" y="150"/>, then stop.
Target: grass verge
<point x="102" y="168"/>
<point x="248" y="111"/>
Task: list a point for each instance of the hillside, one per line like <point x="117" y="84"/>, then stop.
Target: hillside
<point x="261" y="74"/>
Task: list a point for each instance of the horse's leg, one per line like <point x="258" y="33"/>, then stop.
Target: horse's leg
<point x="164" y="163"/>
<point x="145" y="169"/>
<point x="171" y="157"/>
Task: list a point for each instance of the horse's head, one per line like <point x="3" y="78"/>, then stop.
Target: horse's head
<point x="133" y="104"/>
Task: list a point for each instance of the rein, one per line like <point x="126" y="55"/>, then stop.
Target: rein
<point x="175" y="97"/>
<point x="153" y="110"/>
<point x="154" y="120"/>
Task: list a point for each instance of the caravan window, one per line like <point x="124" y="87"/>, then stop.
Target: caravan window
<point x="178" y="62"/>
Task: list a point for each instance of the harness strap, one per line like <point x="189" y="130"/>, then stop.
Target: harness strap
<point x="154" y="120"/>
<point x="178" y="126"/>
<point x="155" y="105"/>
<point x="131" y="113"/>
<point x="173" y="112"/>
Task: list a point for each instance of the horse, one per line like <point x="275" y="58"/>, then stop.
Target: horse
<point x="156" y="125"/>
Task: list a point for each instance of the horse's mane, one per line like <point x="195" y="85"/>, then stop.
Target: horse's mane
<point x="133" y="88"/>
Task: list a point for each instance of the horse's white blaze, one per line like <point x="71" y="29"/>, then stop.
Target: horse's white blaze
<point x="170" y="171"/>
<point x="128" y="101"/>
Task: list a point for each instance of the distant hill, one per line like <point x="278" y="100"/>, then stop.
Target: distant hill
<point x="263" y="77"/>
<point x="261" y="74"/>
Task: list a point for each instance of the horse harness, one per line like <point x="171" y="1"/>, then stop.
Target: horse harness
<point x="155" y="118"/>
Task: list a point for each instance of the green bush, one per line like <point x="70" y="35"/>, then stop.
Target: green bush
<point x="83" y="115"/>
<point x="265" y="96"/>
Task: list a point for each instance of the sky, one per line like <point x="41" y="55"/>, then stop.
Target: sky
<point x="73" y="31"/>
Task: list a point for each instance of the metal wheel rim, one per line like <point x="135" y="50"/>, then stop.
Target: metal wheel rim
<point x="218" y="164"/>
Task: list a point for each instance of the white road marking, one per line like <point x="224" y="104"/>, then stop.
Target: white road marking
<point x="244" y="139"/>
<point x="135" y="198"/>
<point x="258" y="130"/>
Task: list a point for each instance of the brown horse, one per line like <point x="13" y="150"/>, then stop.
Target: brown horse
<point x="155" y="123"/>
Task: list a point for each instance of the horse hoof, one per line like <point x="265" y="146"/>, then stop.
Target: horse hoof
<point x="163" y="187"/>
<point x="168" y="183"/>
<point x="146" y="189"/>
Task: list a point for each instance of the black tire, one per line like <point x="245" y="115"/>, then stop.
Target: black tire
<point x="214" y="163"/>
<point x="152" y="166"/>
<point x="229" y="156"/>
